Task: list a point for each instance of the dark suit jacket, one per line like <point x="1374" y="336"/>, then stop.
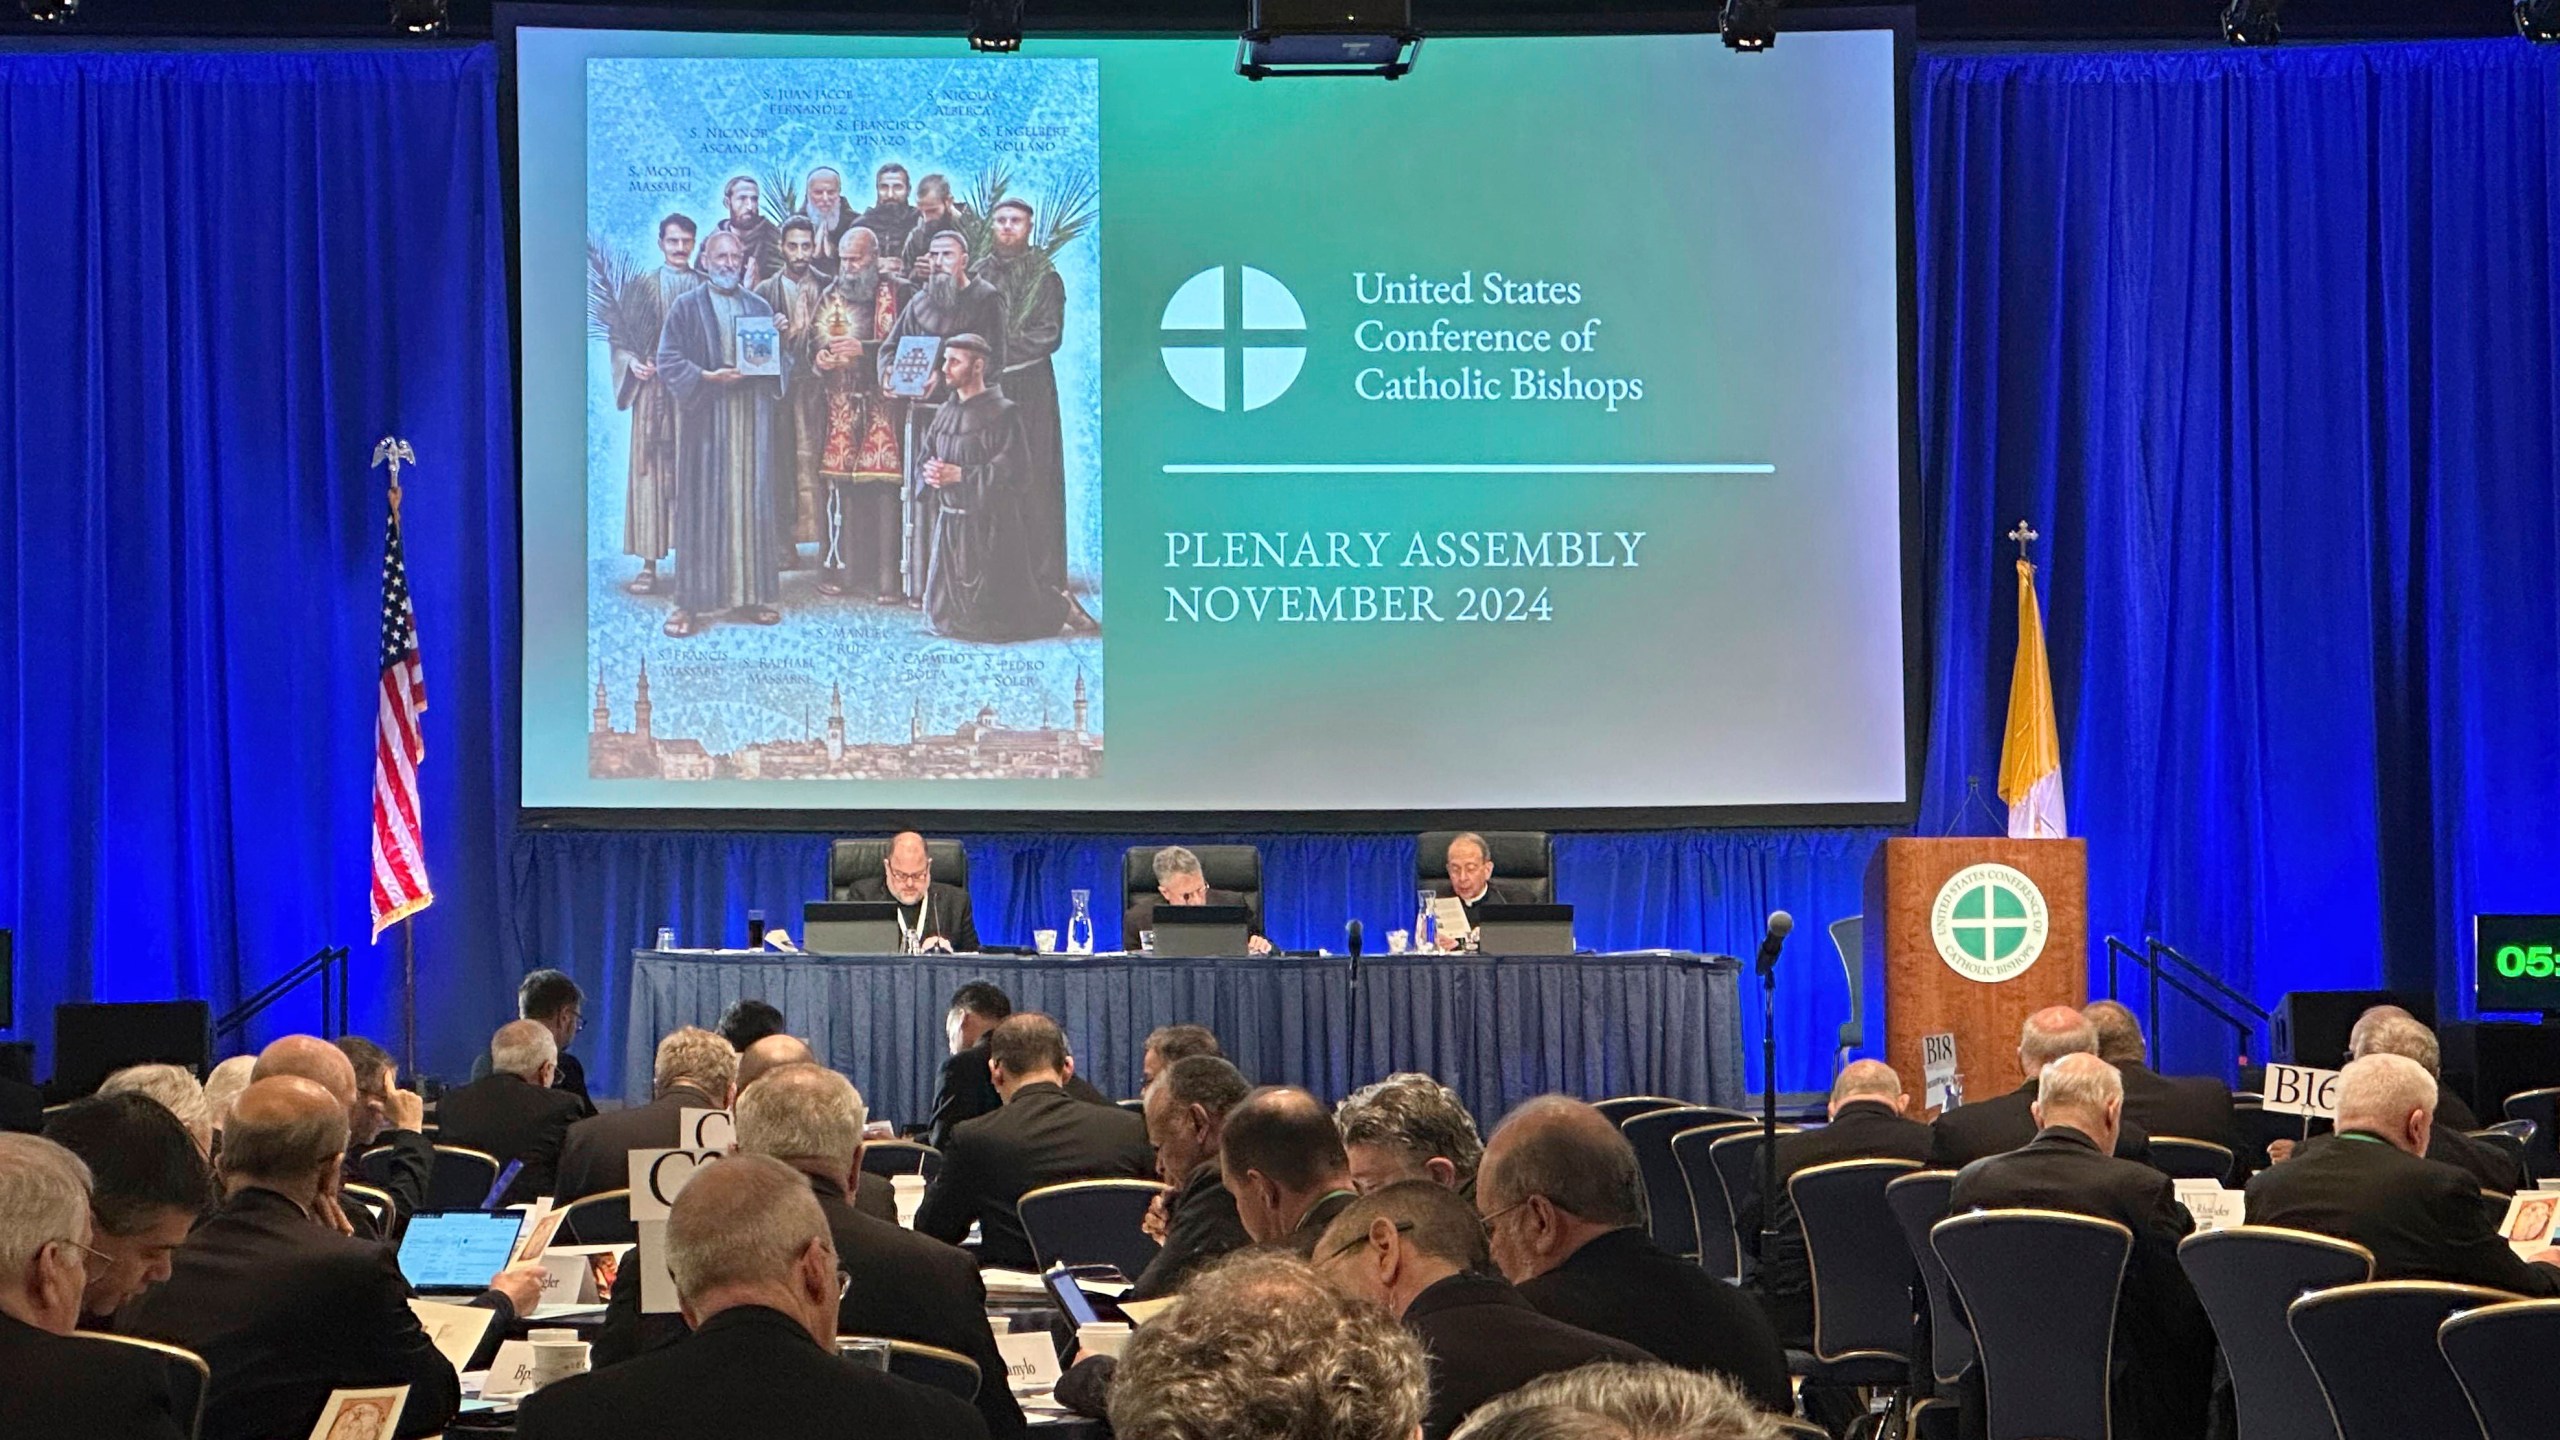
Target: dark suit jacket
<point x="513" y="1119"/>
<point x="570" y="1079"/>
<point x="967" y="1092"/>
<point x="286" y="1310"/>
<point x="2421" y="1220"/>
<point x="904" y="1287"/>
<point x="2164" y="1351"/>
<point x="21" y="1107"/>
<point x="2451" y="1112"/>
<point x="1484" y="1341"/>
<point x="1042" y="1137"/>
<point x="1200" y="1225"/>
<point x="55" y="1387"/>
<point x="947" y="912"/>
<point x="1500" y="892"/>
<point x="2191" y="1107"/>
<point x="405" y="1169"/>
<point x="747" y="1371"/>
<point x="1302" y="1240"/>
<point x="1624" y="1286"/>
<point x="1142" y="915"/>
<point x="2491" y="1169"/>
<point x="1865" y="1130"/>
<point x="2004" y="1123"/>
<point x="596" y="1156"/>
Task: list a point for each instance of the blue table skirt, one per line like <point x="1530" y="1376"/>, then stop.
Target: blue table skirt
<point x="1497" y="1031"/>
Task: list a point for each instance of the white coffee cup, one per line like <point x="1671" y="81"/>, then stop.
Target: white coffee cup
<point x="908" y="1192"/>
<point x="558" y="1360"/>
<point x="1047" y="940"/>
<point x="1103" y="1337"/>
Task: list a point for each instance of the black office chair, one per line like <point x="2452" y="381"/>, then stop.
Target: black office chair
<point x="1521" y="859"/>
<point x="1225" y="867"/>
<point x="460" y="1178"/>
<point x="373" y="1166"/>
<point x="1849" y="938"/>
<point x="1673" y="1224"/>
<point x="2182" y="1159"/>
<point x="2247" y="1276"/>
<point x="1692" y="1150"/>
<point x="2542" y="1107"/>
<point x="2039" y="1287"/>
<point x="901" y="1157"/>
<point x="1862" y="1270"/>
<point x="2513" y="1139"/>
<point x="377" y="1203"/>
<point x="1090" y="1222"/>
<point x="2512" y="1401"/>
<point x="945" y="1370"/>
<point x="1919" y="1201"/>
<point x="2373" y="1347"/>
<point x="851" y="860"/>
<point x="603" y="1218"/>
<point x="1617" y="1108"/>
<point x="189" y="1376"/>
<point x="1736" y="1158"/>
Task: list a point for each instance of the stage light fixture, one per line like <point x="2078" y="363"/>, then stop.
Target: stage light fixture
<point x="995" y="26"/>
<point x="2252" y="22"/>
<point x="1328" y="37"/>
<point x="1749" y="25"/>
<point x="49" y="12"/>
<point x="2538" y="20"/>
<point x="418" y="17"/>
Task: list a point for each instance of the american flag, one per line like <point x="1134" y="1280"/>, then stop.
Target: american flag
<point x="399" y="841"/>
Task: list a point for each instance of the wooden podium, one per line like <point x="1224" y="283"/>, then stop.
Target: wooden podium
<point x="1975" y="935"/>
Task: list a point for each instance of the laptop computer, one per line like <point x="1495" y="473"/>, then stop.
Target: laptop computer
<point x="1201" y="932"/>
<point x="850" y="927"/>
<point x="1524" y="929"/>
<point x="454" y="1252"/>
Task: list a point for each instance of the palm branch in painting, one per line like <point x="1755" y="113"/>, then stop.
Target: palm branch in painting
<point x="1070" y="213"/>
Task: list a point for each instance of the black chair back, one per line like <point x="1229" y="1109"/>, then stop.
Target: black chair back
<point x="900" y="1157"/>
<point x="189" y="1377"/>
<point x="2542" y="1107"/>
<point x="851" y="860"/>
<point x="2374" y="1348"/>
<point x="1736" y="1158"/>
<point x="2512" y="1140"/>
<point x="1719" y="1252"/>
<point x="1919" y="1202"/>
<point x="2512" y="1401"/>
<point x="1521" y="858"/>
<point x="2040" y="1289"/>
<point x="603" y="1218"/>
<point x="376" y="1203"/>
<point x="2247" y="1276"/>
<point x="1671" y="1220"/>
<point x="945" y="1370"/>
<point x="460" y="1178"/>
<point x="1861" y="1265"/>
<point x="1090" y="1222"/>
<point x="1223" y="867"/>
<point x="2184" y="1159"/>
<point x="1617" y="1108"/>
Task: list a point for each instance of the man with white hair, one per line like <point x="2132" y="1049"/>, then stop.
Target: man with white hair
<point x="1622" y="1402"/>
<point x="757" y="1274"/>
<point x="513" y="1113"/>
<point x="2369" y="1183"/>
<point x="1180" y="881"/>
<point x="1409" y="1127"/>
<point x="2400" y="1035"/>
<point x="2452" y="1111"/>
<point x="177" y="1090"/>
<point x="2164" y="1344"/>
<point x="1261" y="1349"/>
<point x="2004" y="1122"/>
<point x="695" y="1070"/>
<point x="1869" y="1121"/>
<point x="901" y="1285"/>
<point x="51" y="1387"/>
<point x="223" y="1086"/>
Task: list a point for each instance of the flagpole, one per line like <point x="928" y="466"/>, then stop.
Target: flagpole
<point x="409" y="997"/>
<point x="394" y="452"/>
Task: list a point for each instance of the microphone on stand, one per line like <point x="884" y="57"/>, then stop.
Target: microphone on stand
<point x="1351" y="938"/>
<point x="1351" y="977"/>
<point x="1781" y="925"/>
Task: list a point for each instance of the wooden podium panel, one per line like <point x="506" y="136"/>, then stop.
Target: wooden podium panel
<point x="1975" y="934"/>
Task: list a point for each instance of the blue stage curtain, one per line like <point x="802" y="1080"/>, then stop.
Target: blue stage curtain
<point x="2268" y="345"/>
<point x="223" y="275"/>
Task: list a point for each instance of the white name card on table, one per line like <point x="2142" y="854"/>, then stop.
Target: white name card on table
<point x="2530" y="1219"/>
<point x="657" y="1284"/>
<point x="1003" y="1284"/>
<point x="457" y="1330"/>
<point x="698" y="1129"/>
<point x="2213" y="1207"/>
<point x="567" y="1279"/>
<point x="1030" y="1360"/>
<point x="511" y="1373"/>
<point x="2302" y="1090"/>
<point x="1941" y="1090"/>
<point x="657" y="1177"/>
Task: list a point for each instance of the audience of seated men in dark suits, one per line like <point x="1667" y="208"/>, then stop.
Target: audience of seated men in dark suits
<point x="552" y="998"/>
<point x="2188" y="1107"/>
<point x="2001" y="1123"/>
<point x="2163" y="1356"/>
<point x="389" y="1118"/>
<point x="149" y="1186"/>
<point x="2494" y="1170"/>
<point x="1869" y="1121"/>
<point x="758" y="1276"/>
<point x="1281" y="1158"/>
<point x="966" y="1090"/>
<point x="1564" y="1214"/>
<point x="1186" y="1115"/>
<point x="694" y="1070"/>
<point x="55" y="1385"/>
<point x="2452" y="1111"/>
<point x="512" y="1114"/>
<point x="1409" y="1127"/>
<point x="1041" y="1136"/>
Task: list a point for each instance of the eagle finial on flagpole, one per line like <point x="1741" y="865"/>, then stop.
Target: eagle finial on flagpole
<point x="393" y="451"/>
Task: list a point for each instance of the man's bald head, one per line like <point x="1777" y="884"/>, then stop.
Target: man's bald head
<point x="1565" y="1150"/>
<point x="311" y="1058"/>
<point x="770" y="1054"/>
<point x="907" y="850"/>
<point x="2050" y="1034"/>
<point x="283" y="1129"/>
<point x="1867" y="1080"/>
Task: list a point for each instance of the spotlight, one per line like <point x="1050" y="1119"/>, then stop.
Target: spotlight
<point x="1328" y="37"/>
<point x="1749" y="25"/>
<point x="54" y="12"/>
<point x="995" y="25"/>
<point x="418" y="17"/>
<point x="2538" y="20"/>
<point x="2251" y="22"/>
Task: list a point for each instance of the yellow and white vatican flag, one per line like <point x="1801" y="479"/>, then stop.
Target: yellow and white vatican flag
<point x="2031" y="752"/>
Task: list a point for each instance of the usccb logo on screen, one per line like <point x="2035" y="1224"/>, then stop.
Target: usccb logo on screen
<point x="1235" y="338"/>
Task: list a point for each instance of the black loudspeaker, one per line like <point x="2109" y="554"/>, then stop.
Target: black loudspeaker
<point x="2310" y="1026"/>
<point x="91" y="1042"/>
<point x="8" y="980"/>
<point x="2485" y="1062"/>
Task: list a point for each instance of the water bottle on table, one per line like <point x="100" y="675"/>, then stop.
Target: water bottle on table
<point x="1426" y="926"/>
<point x="1080" y="924"/>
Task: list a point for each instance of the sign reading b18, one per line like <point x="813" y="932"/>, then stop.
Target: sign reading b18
<point x="2516" y="961"/>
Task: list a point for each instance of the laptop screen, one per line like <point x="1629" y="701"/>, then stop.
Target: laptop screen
<point x="457" y="1250"/>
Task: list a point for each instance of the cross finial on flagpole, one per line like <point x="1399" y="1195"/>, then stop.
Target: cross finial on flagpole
<point x="2025" y="535"/>
<point x="393" y="451"/>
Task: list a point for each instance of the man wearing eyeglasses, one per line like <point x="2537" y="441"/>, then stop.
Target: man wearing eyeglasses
<point x="932" y="917"/>
<point x="53" y="1387"/>
<point x="1470" y="867"/>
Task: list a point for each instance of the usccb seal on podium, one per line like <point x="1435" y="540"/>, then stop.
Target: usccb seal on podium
<point x="1989" y="923"/>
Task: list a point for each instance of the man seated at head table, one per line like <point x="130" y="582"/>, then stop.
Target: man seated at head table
<point x="2371" y="1183"/>
<point x="1472" y="881"/>
<point x="283" y="1304"/>
<point x="1179" y="882"/>
<point x="1409" y="1127"/>
<point x="149" y="1186"/>
<point x="54" y="1386"/>
<point x="903" y="1286"/>
<point x="759" y="1278"/>
<point x="932" y="916"/>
